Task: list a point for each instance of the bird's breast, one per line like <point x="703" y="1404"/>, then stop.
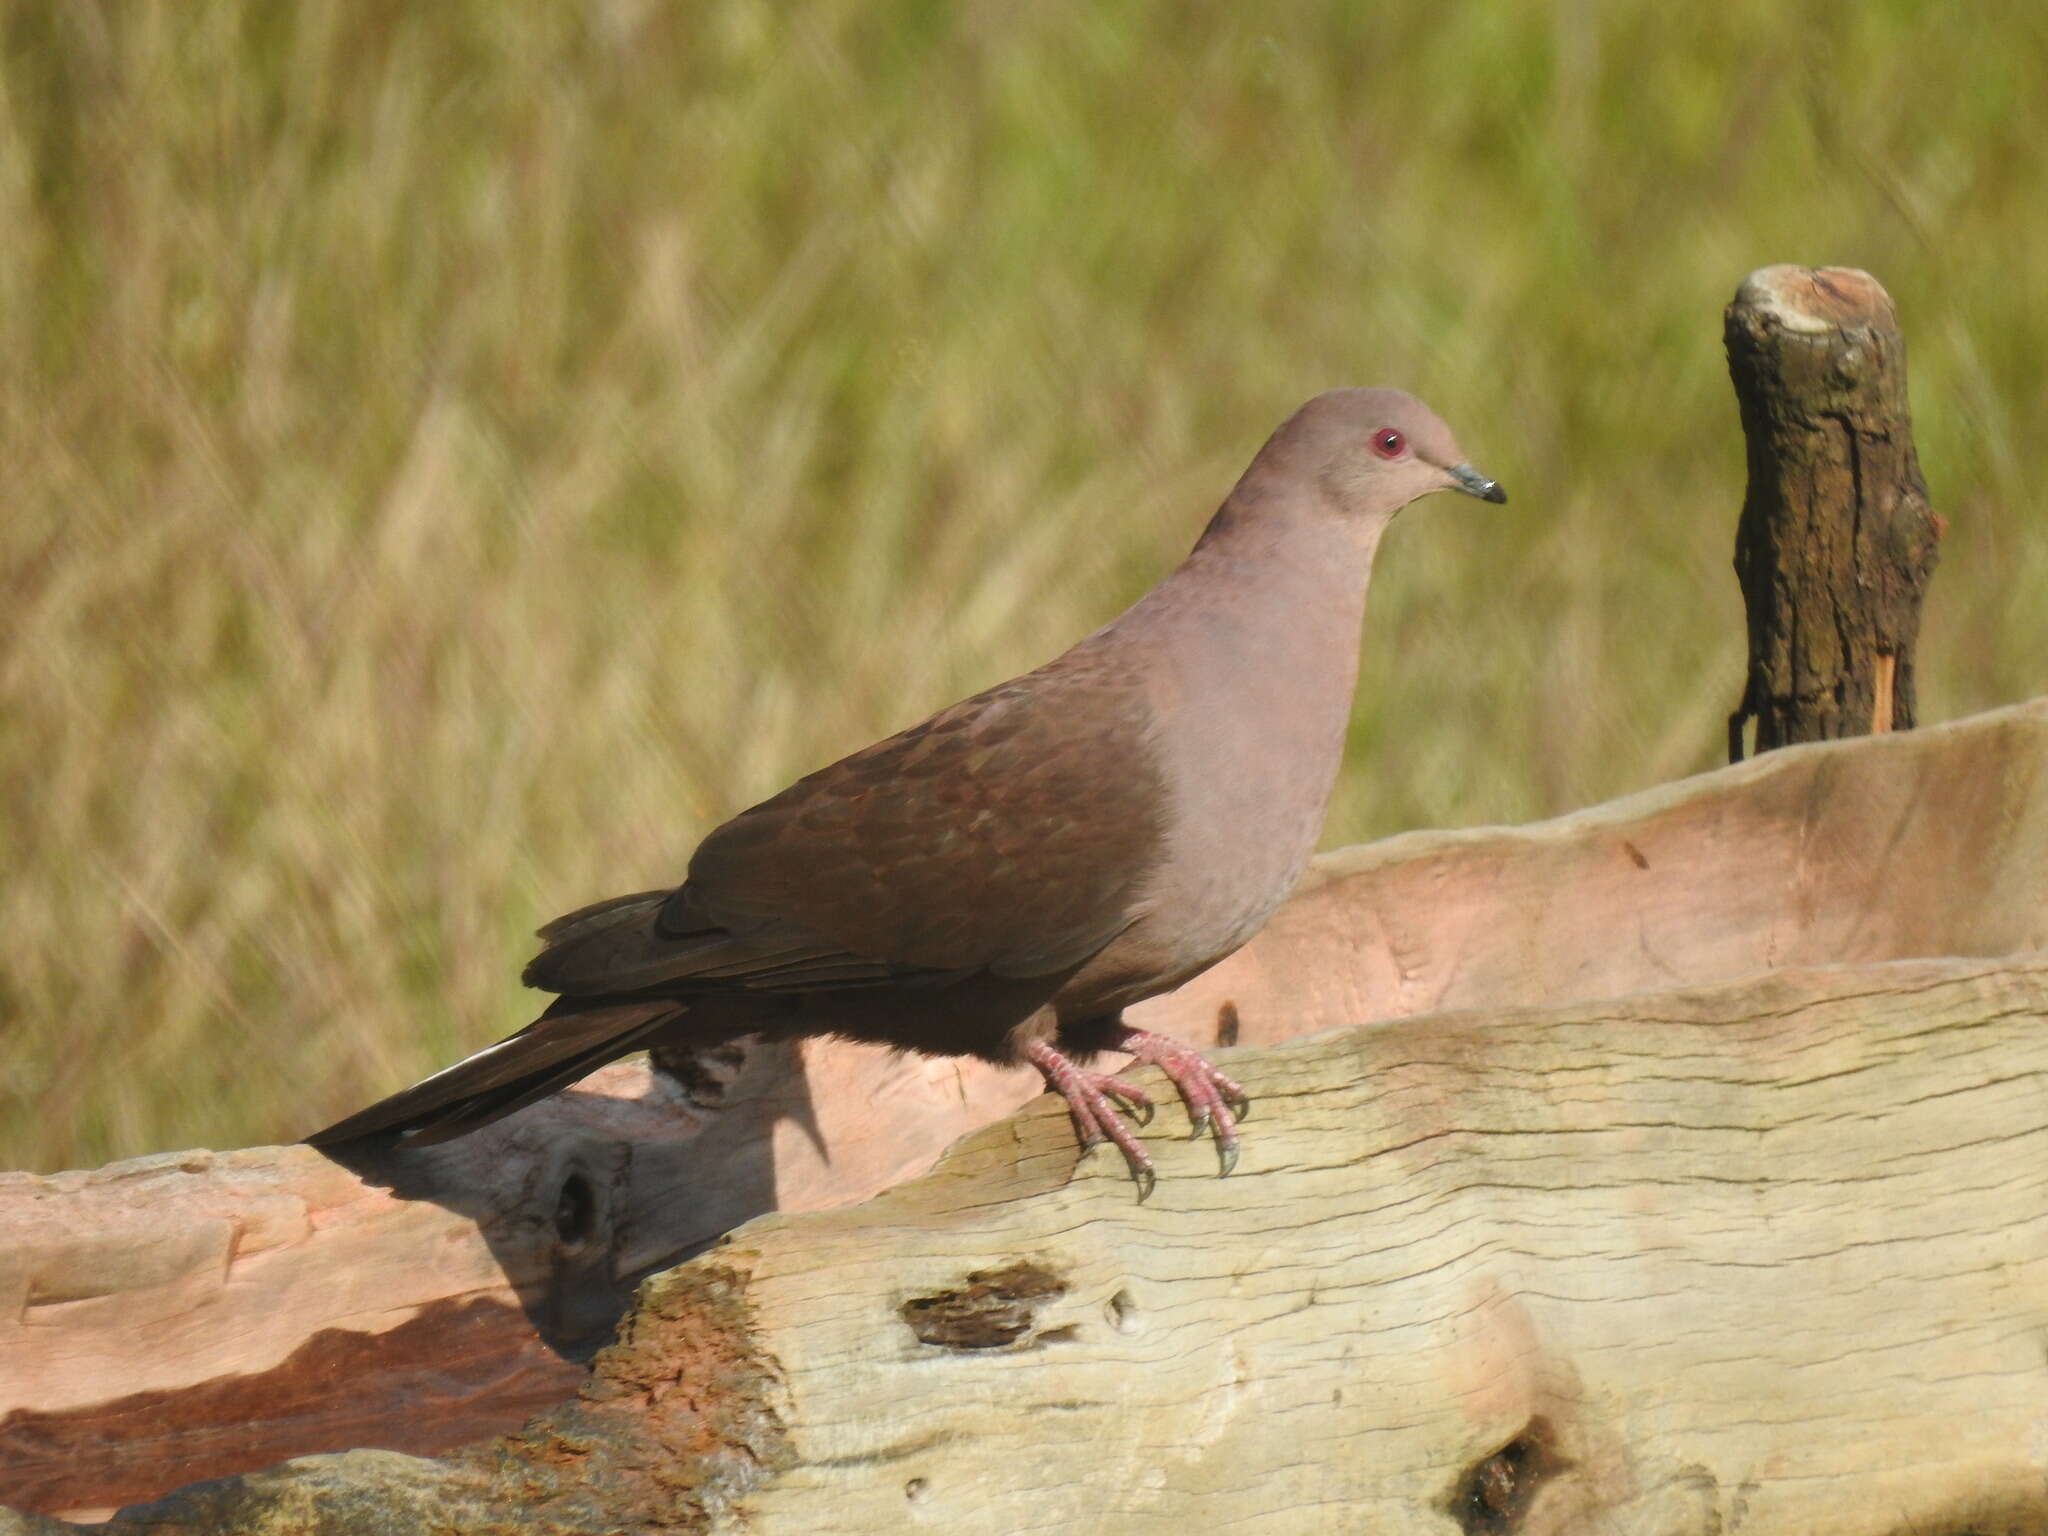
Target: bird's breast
<point x="1250" y="722"/>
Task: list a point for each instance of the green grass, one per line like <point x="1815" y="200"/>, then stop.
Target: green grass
<point x="452" y="455"/>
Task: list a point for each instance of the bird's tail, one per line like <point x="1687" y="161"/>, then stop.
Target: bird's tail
<point x="550" y="1053"/>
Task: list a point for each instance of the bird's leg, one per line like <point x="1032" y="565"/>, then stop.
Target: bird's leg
<point x="1215" y="1103"/>
<point x="1097" y="1119"/>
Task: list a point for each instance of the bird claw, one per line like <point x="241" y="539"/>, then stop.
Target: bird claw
<point x="1136" y="1102"/>
<point x="1100" y="1102"/>
<point x="1093" y="1100"/>
<point x="1141" y="1170"/>
<point x="1215" y="1102"/>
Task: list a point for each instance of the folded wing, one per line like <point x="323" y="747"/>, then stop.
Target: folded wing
<point x="1010" y="834"/>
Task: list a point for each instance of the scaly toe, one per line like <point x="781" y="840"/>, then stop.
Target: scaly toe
<point x="1136" y="1102"/>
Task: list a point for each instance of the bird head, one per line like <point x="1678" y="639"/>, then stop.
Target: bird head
<point x="1372" y="451"/>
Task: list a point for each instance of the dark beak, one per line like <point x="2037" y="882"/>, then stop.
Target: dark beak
<point x="1473" y="483"/>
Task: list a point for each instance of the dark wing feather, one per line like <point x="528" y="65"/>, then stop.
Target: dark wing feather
<point x="1008" y="834"/>
<point x="601" y="914"/>
<point x="550" y="1053"/>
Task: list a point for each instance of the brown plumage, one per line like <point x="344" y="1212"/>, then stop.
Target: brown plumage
<point x="1003" y="879"/>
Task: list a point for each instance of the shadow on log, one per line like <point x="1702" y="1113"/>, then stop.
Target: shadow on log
<point x="1453" y="1285"/>
<point x="187" y="1315"/>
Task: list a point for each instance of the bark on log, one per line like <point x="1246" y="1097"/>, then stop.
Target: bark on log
<point x="194" y="1314"/>
<point x="1769" y="1256"/>
<point x="1836" y="542"/>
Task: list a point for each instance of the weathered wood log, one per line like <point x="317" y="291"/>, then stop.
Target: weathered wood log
<point x="1836" y="542"/>
<point x="1770" y="1256"/>
<point x="185" y="1315"/>
<point x="196" y="1314"/>
<point x="1928" y="843"/>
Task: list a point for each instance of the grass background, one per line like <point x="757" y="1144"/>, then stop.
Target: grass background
<point x="452" y="455"/>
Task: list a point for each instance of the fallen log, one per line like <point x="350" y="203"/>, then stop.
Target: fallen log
<point x="194" y="1314"/>
<point x="1769" y="1255"/>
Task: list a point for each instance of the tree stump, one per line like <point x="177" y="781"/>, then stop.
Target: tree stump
<point x="1836" y="541"/>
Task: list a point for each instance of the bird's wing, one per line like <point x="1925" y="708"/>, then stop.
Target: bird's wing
<point x="1008" y="834"/>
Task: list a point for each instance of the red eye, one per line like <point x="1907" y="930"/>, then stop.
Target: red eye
<point x="1388" y="443"/>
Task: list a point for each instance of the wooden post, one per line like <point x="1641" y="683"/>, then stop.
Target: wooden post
<point x="1837" y="541"/>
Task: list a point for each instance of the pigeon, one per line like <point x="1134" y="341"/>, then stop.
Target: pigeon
<point x="1005" y="878"/>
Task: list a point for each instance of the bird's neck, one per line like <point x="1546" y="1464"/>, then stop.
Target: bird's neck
<point x="1258" y="632"/>
<point x="1249" y="660"/>
<point x="1285" y="586"/>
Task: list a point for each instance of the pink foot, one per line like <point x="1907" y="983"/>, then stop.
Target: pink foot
<point x="1215" y="1103"/>
<point x="1096" y="1118"/>
<point x="1097" y="1100"/>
